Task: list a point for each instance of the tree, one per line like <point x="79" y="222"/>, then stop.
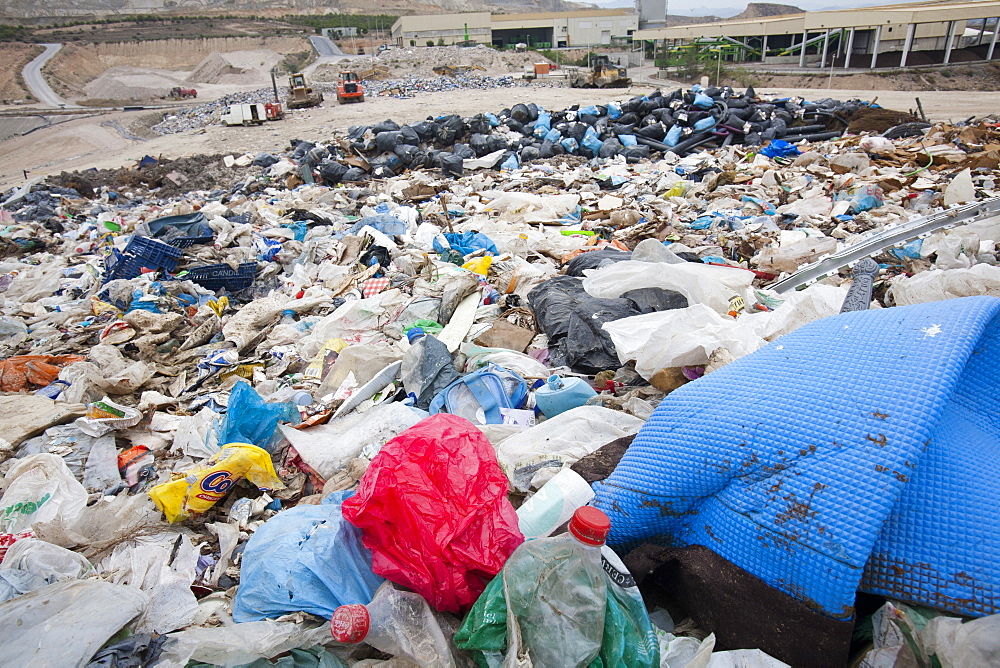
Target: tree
<point x="413" y="42"/>
<point x="430" y="42"/>
<point x="440" y="41"/>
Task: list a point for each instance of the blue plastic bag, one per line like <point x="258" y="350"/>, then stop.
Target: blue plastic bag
<point x="385" y="223"/>
<point x="614" y="111"/>
<point x="492" y="118"/>
<point x="703" y="101"/>
<point x="250" y="420"/>
<point x="704" y="124"/>
<point x="467" y="242"/>
<point x="308" y="559"/>
<point x="569" y="144"/>
<point x="673" y="136"/>
<point x="590" y="110"/>
<point x="628" y="140"/>
<point x="779" y="148"/>
<point x="552" y="135"/>
<point x="592" y="141"/>
<point x="510" y="164"/>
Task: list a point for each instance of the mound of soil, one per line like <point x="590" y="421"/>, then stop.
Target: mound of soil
<point x="877" y="120"/>
<point x="168" y="178"/>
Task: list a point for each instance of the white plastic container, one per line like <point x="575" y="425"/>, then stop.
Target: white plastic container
<point x="553" y="504"/>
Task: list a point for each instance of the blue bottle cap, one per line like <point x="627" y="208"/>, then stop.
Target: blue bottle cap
<point x="415" y="333"/>
<point x="288" y="313"/>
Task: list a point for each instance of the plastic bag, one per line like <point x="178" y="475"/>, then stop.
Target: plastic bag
<point x="533" y="456"/>
<point x="931" y="286"/>
<point x="465" y="243"/>
<point x="200" y="488"/>
<point x="65" y="623"/>
<point x="434" y="511"/>
<point x="240" y="644"/>
<point x="779" y="148"/>
<point x="329" y="447"/>
<point x="683" y="337"/>
<point x="305" y="559"/>
<point x="250" y="420"/>
<point x="700" y="283"/>
<point x="31" y="563"/>
<point x="40" y="488"/>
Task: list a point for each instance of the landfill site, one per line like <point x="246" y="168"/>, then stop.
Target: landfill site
<point x="454" y="367"/>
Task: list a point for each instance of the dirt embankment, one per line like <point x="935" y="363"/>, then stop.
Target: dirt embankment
<point x="76" y="65"/>
<point x="15" y="56"/>
<point x="965" y="77"/>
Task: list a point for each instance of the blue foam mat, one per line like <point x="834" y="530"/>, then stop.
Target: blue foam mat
<point x="861" y="451"/>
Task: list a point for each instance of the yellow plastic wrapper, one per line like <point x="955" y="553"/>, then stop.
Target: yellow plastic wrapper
<point x="200" y="488"/>
<point x="679" y="189"/>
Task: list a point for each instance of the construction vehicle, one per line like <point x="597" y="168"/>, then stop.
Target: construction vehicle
<point x="178" y="93"/>
<point x="300" y="94"/>
<point x="273" y="111"/>
<point x="349" y="88"/>
<point x="603" y="74"/>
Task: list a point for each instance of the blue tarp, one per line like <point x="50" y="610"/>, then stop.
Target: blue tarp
<point x="860" y="452"/>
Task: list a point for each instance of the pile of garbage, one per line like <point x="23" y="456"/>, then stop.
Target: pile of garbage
<point x="384" y="423"/>
<point x="678" y="123"/>
<point x="202" y="115"/>
<point x="403" y="88"/>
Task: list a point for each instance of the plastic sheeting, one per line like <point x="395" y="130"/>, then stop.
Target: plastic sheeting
<point x="856" y="452"/>
<point x="533" y="456"/>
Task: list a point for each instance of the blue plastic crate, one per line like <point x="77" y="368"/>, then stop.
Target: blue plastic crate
<point x="184" y="242"/>
<point x="217" y="276"/>
<point x="139" y="253"/>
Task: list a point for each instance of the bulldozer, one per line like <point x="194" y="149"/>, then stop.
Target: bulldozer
<point x="300" y="94"/>
<point x="349" y="88"/>
<point x="603" y="74"/>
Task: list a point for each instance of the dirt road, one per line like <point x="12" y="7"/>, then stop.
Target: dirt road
<point x="85" y="143"/>
<point x="36" y="82"/>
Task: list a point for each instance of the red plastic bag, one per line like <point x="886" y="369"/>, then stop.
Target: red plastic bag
<point x="433" y="510"/>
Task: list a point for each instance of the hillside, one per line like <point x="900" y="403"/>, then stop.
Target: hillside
<point x="759" y="10"/>
<point x="74" y="9"/>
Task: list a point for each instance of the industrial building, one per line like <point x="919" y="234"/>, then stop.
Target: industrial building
<point x="537" y="30"/>
<point x="922" y="33"/>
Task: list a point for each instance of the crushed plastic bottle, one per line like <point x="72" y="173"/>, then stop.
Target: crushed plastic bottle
<point x="396" y="622"/>
<point x="563" y="601"/>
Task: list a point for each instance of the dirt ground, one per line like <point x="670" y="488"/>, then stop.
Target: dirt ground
<point x="15" y="56"/>
<point x="972" y="77"/>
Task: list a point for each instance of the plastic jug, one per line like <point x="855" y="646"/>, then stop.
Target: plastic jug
<point x="558" y="395"/>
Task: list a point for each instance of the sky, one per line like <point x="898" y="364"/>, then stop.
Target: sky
<point x="727" y="8"/>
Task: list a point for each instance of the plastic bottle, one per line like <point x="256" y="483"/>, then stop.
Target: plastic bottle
<point x="556" y="590"/>
<point x="479" y="265"/>
<point x="427" y="367"/>
<point x="556" y="502"/>
<point x="396" y="622"/>
<point x="287" y="318"/>
<point x="559" y="395"/>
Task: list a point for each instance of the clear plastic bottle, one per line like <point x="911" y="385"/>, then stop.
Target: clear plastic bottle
<point x="396" y="622"/>
<point x="427" y="367"/>
<point x="556" y="591"/>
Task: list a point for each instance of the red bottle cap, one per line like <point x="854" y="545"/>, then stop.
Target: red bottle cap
<point x="350" y="623"/>
<point x="590" y="526"/>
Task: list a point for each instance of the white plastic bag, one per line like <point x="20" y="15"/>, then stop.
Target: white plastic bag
<point x="40" y="488"/>
<point x="935" y="285"/>
<point x="327" y="448"/>
<point x="701" y="283"/>
<point x="681" y="337"/>
<point x="64" y="624"/>
<point x="163" y="566"/>
<point x="237" y="644"/>
<point x="533" y="456"/>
